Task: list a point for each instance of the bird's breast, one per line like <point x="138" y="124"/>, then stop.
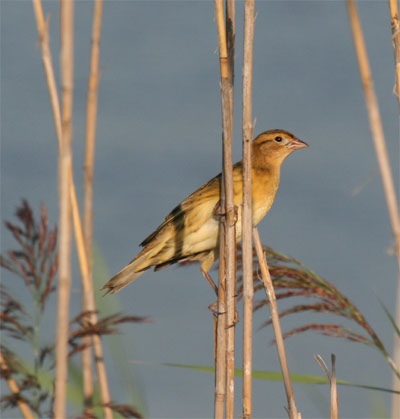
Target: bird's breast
<point x="265" y="185"/>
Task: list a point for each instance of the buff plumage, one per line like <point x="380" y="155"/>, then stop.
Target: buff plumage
<point x="190" y="232"/>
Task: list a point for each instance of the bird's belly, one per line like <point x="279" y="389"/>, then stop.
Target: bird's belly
<point x="259" y="212"/>
<point x="205" y="238"/>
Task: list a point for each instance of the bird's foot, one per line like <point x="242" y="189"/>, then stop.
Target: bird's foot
<point x="231" y="213"/>
<point x="214" y="310"/>
<point x="214" y="306"/>
<point x="219" y="211"/>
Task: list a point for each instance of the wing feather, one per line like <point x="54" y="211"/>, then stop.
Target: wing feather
<point x="203" y="199"/>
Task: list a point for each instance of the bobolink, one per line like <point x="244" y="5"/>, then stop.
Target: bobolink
<point x="190" y="231"/>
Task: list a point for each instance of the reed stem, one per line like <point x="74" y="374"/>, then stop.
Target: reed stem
<point x="80" y="243"/>
<point x="65" y="160"/>
<point x="394" y="17"/>
<point x="228" y="256"/>
<point x="269" y="290"/>
<point x="91" y="119"/>
<point x="247" y="222"/>
<point x="384" y="165"/>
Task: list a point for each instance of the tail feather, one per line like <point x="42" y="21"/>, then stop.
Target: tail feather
<point x="122" y="279"/>
<point x="147" y="258"/>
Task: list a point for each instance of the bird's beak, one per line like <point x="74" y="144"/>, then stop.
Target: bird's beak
<point x="296" y="144"/>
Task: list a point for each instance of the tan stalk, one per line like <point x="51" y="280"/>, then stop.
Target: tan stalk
<point x="220" y="351"/>
<point x="384" y="166"/>
<point x="394" y="17"/>
<point x="231" y="216"/>
<point x="220" y="342"/>
<point x="228" y="219"/>
<point x="375" y="124"/>
<point x="14" y="388"/>
<point x="332" y="383"/>
<point x="269" y="290"/>
<point x="42" y="26"/>
<point x="64" y="247"/>
<point x="83" y="260"/>
<point x="334" y="395"/>
<point x="396" y="359"/>
<point x="91" y="119"/>
<point x="91" y="305"/>
<point x="247" y="222"/>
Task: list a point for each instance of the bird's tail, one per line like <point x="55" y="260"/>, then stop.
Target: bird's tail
<point x="122" y="278"/>
<point x="143" y="261"/>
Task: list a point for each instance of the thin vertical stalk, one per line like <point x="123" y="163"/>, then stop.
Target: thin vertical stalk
<point x="394" y="17"/>
<point x="42" y="26"/>
<point x="383" y="162"/>
<point x="247" y="222"/>
<point x="395" y="413"/>
<point x="229" y="253"/>
<point x="91" y="119"/>
<point x="87" y="286"/>
<point x="81" y="248"/>
<point x="334" y="411"/>
<point x="14" y="388"/>
<point x="375" y="124"/>
<point x="269" y="290"/>
<point x="334" y="395"/>
<point x="64" y="253"/>
<point x="231" y="216"/>
<point x="220" y="352"/>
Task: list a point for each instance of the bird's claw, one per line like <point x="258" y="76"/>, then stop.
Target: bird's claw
<point x="219" y="211"/>
<point x="214" y="310"/>
<point x="213" y="307"/>
<point x="231" y="214"/>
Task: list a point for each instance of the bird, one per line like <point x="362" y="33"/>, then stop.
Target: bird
<point x="190" y="232"/>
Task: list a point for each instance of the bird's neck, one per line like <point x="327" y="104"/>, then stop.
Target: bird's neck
<point x="272" y="169"/>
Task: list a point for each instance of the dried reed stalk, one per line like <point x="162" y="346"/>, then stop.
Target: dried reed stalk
<point x="334" y="395"/>
<point x="383" y="161"/>
<point x="220" y="341"/>
<point x="247" y="219"/>
<point x="81" y="248"/>
<point x="375" y="124"/>
<point x="394" y="17"/>
<point x="91" y="118"/>
<point x="230" y="209"/>
<point x="42" y="26"/>
<point x="91" y="305"/>
<point x="228" y="220"/>
<point x="13" y="386"/>
<point x="269" y="290"/>
<point x="332" y="383"/>
<point x="396" y="359"/>
<point x="65" y="159"/>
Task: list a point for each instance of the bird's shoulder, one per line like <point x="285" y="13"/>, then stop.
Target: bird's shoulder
<point x="197" y="207"/>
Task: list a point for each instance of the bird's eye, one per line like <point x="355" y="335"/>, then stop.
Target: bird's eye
<point x="278" y="139"/>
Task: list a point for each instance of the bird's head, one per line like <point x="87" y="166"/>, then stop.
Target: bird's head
<point x="272" y="147"/>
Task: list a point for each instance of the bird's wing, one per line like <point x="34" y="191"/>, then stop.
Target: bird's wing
<point x="195" y="209"/>
<point x="198" y="207"/>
